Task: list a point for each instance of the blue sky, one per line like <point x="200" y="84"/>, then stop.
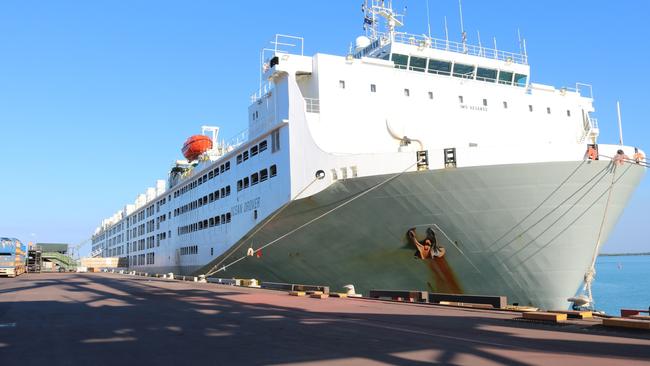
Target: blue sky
<point x="97" y="97"/>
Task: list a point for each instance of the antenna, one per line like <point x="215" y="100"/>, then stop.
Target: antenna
<point x="463" y="35"/>
<point x="496" y="50"/>
<point x="480" y="46"/>
<point x="525" y="51"/>
<point x="446" y="34"/>
<point x="519" y="38"/>
<point x="620" y="125"/>
<point x="428" y="20"/>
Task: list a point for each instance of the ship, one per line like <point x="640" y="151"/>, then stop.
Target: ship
<point x="408" y="162"/>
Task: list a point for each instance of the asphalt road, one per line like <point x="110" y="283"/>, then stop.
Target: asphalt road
<point x="111" y="319"/>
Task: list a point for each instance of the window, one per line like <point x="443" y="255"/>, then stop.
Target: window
<point x="210" y="174"/>
<point x="520" y="80"/>
<point x="464" y="71"/>
<point x="548" y="110"/>
<point x="407" y="93"/>
<point x="460" y="99"/>
<point x="228" y="217"/>
<point x="430" y="95"/>
<point x="227" y="165"/>
<point x="239" y="185"/>
<point x="342" y="84"/>
<point x="489" y="75"/>
<point x="439" y="67"/>
<point x="246" y="182"/>
<point x="505" y="105"/>
<point x="530" y="107"/>
<point x="254" y="150"/>
<point x="263" y="145"/>
<point x="239" y="159"/>
<point x="264" y="175"/>
<point x="227" y="190"/>
<point x="211" y="197"/>
<point x="505" y="77"/>
<point x="568" y="113"/>
<point x="245" y="155"/>
<point x="255" y="178"/>
<point x="400" y="60"/>
<point x="417" y="64"/>
<point x="373" y="88"/>
<point x="275" y="141"/>
<point x="273" y="170"/>
<point x="485" y="102"/>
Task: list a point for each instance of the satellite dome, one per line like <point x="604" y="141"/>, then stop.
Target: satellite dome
<point x="361" y="42"/>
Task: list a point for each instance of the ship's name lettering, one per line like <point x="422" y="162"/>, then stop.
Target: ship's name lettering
<point x="474" y="107"/>
<point x="246" y="206"/>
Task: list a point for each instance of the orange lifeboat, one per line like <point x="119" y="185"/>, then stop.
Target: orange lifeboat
<point x="195" y="146"/>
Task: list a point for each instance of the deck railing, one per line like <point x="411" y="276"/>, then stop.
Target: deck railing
<point x="458" y="47"/>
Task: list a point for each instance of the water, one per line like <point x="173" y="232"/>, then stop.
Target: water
<point x="622" y="282"/>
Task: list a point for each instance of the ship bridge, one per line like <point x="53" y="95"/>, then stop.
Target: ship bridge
<point x="448" y="58"/>
<point x="423" y="53"/>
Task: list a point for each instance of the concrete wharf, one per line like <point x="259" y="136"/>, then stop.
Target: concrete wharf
<point x="114" y="319"/>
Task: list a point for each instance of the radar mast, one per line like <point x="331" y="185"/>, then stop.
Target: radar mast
<point x="377" y="12"/>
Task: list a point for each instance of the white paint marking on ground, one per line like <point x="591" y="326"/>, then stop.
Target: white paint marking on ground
<point x="109" y="340"/>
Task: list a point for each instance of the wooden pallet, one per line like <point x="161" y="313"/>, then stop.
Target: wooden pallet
<point x="545" y="316"/>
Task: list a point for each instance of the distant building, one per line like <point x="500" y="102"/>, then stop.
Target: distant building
<point x="53" y="247"/>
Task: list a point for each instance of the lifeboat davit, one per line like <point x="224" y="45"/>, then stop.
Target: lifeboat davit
<point x="195" y="146"/>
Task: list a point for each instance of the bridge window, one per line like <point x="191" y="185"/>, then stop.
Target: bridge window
<point x="439" y="67"/>
<point x="530" y="107"/>
<point x="520" y="79"/>
<point x="568" y="113"/>
<point x="407" y="92"/>
<point x="342" y="84"/>
<point x="460" y="99"/>
<point x="548" y="110"/>
<point x="400" y="60"/>
<point x="464" y="71"/>
<point x="430" y="95"/>
<point x="489" y="75"/>
<point x="505" y="105"/>
<point x="485" y="102"/>
<point x="505" y="77"/>
<point x="417" y="64"/>
<point x="373" y="88"/>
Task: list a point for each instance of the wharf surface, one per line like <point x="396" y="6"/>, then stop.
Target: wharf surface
<point x="105" y="318"/>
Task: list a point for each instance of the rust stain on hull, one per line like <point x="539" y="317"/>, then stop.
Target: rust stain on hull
<point x="443" y="276"/>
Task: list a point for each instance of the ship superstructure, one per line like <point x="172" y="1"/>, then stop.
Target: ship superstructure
<point x="345" y="155"/>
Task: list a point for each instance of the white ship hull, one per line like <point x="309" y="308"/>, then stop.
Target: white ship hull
<point x="526" y="231"/>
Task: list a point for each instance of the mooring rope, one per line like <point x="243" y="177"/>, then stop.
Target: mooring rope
<point x="211" y="271"/>
<point x="223" y="268"/>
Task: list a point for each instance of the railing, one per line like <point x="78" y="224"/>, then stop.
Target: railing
<point x="312" y="105"/>
<point x="264" y="91"/>
<point x="468" y="49"/>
